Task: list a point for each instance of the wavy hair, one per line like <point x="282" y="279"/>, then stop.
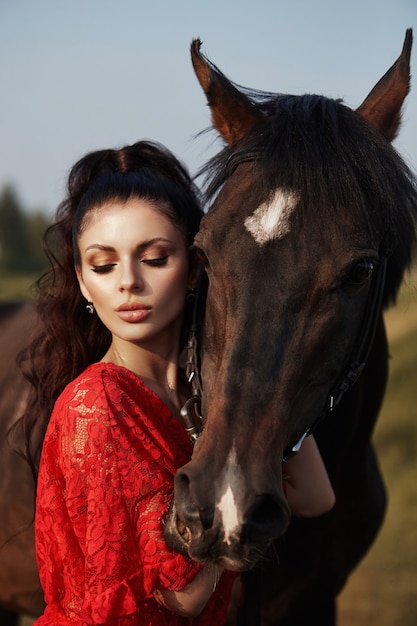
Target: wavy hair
<point x="68" y="339"/>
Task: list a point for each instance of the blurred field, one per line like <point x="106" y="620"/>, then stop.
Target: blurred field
<point x="383" y="590"/>
<point x="16" y="287"/>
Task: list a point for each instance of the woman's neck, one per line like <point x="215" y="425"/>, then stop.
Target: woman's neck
<point x="158" y="370"/>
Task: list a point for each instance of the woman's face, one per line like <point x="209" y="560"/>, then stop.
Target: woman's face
<point x="134" y="269"/>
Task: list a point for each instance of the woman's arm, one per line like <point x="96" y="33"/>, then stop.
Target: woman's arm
<point x="308" y="488"/>
<point x="191" y="600"/>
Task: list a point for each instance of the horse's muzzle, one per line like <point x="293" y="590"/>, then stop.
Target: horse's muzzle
<point x="212" y="533"/>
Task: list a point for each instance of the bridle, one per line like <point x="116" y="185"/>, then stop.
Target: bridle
<point x="191" y="411"/>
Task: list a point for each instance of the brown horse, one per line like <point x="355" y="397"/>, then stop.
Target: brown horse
<point x="311" y="227"/>
<point x="20" y="590"/>
<point x="308" y="236"/>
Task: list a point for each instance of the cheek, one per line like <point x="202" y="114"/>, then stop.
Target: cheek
<point x="173" y="291"/>
<point x="100" y="291"/>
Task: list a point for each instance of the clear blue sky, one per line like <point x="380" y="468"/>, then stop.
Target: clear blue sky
<point x="78" y="75"/>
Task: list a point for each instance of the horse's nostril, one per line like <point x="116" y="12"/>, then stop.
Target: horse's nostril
<point x="182" y="492"/>
<point x="182" y="482"/>
<point x="267" y="520"/>
<point x="186" y="506"/>
<point x="193" y="510"/>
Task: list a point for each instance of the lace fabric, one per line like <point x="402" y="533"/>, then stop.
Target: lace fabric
<point x="105" y="485"/>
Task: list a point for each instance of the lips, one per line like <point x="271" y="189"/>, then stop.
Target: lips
<point x="133" y="312"/>
<point x="132" y="306"/>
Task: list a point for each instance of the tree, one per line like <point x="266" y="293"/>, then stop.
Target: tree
<point x="20" y="236"/>
<point x="37" y="223"/>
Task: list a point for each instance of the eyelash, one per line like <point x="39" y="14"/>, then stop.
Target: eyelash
<point x="102" y="269"/>
<point x="159" y="262"/>
<point x="105" y="269"/>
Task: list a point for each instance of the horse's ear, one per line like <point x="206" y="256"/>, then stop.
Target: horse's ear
<point x="382" y="107"/>
<point x="232" y="113"/>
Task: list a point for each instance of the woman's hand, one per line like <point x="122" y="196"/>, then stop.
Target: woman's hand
<point x="191" y="600"/>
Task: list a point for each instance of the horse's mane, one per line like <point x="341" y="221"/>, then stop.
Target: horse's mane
<point x="336" y="160"/>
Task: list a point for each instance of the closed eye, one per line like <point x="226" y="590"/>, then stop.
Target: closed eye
<point x="103" y="269"/>
<point x="158" y="262"/>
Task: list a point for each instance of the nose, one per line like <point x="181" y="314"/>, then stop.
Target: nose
<point x="267" y="519"/>
<point x="130" y="279"/>
<point x="263" y="517"/>
<point x="194" y="514"/>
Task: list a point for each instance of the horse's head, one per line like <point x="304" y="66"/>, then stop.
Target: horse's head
<point x="310" y="200"/>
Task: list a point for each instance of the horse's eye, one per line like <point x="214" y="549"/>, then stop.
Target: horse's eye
<point x="201" y="257"/>
<point x="359" y="272"/>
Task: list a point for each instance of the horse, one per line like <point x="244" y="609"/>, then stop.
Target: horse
<point x="309" y="233"/>
<point x="308" y="237"/>
<point x="20" y="590"/>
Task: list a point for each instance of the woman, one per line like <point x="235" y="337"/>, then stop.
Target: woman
<point x="113" y="312"/>
<point x="115" y="437"/>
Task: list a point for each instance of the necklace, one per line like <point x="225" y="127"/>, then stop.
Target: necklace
<point x="162" y="385"/>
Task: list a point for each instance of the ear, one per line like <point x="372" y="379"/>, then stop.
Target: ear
<point x="232" y="113"/>
<point x="83" y="288"/>
<point x="382" y="107"/>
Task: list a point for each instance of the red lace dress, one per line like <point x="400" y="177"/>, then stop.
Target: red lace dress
<point x="105" y="485"/>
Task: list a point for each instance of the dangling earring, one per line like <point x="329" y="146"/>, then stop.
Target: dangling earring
<point x="191" y="295"/>
<point x="90" y="307"/>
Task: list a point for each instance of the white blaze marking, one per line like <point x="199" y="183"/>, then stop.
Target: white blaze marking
<point x="271" y="219"/>
<point x="227" y="506"/>
<point x="228" y="510"/>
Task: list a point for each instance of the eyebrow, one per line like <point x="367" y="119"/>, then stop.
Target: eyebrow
<point x="139" y="248"/>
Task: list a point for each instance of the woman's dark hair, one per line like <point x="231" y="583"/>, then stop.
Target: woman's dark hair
<point x="67" y="338"/>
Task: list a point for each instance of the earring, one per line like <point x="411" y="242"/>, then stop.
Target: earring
<point x="90" y="308"/>
<point x="191" y="295"/>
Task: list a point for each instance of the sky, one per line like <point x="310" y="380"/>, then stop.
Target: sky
<point x="81" y="75"/>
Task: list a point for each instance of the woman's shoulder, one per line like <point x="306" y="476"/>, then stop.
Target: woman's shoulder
<point x="100" y="374"/>
<point x="109" y="385"/>
<point x="103" y="394"/>
<point x="101" y="379"/>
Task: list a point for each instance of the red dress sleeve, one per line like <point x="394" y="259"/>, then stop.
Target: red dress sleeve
<point x="104" y="489"/>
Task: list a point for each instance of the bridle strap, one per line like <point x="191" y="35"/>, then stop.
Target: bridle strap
<point x="372" y="315"/>
<point x="191" y="411"/>
<point x="360" y="353"/>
